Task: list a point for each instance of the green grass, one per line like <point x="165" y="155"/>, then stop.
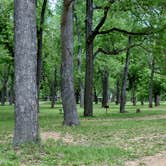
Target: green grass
<point x="105" y="139"/>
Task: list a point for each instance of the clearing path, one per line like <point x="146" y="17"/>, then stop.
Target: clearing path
<point x="157" y="160"/>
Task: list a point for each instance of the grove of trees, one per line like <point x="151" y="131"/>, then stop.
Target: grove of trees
<point x="79" y="52"/>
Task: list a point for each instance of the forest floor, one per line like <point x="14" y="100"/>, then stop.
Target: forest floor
<point x="130" y="139"/>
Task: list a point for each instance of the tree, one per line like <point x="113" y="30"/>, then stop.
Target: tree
<point x="124" y="79"/>
<point x="26" y="100"/>
<point x="67" y="87"/>
<point x="40" y="44"/>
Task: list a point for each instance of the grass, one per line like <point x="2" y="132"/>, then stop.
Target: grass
<point x="105" y="139"/>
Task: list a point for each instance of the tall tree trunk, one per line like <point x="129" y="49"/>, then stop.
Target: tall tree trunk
<point x="26" y="109"/>
<point x="67" y="87"/>
<point x="40" y="44"/>
<point x="157" y="100"/>
<point x="77" y="96"/>
<point x="54" y="89"/>
<point x="124" y="79"/>
<point x="95" y="96"/>
<point x="142" y="101"/>
<point x="133" y="97"/>
<point x="105" y="77"/>
<point x="88" y="97"/>
<point x="151" y="84"/>
<point x="4" y="86"/>
<point x="79" y="63"/>
<point x="117" y="92"/>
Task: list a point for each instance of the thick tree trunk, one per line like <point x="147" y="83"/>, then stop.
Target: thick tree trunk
<point x="79" y="59"/>
<point x="124" y="79"/>
<point x="105" y="77"/>
<point x="54" y="89"/>
<point x="151" y="84"/>
<point x="117" y="92"/>
<point x="88" y="97"/>
<point x="26" y="109"/>
<point x="67" y="87"/>
<point x="40" y="44"/>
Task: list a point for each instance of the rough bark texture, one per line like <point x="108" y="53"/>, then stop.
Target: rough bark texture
<point x="67" y="87"/>
<point x="151" y="84"/>
<point x="124" y="79"/>
<point x="26" y="109"/>
<point x="105" y="77"/>
<point x="40" y="44"/>
<point x="88" y="97"/>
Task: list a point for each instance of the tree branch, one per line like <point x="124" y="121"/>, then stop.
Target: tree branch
<point x="114" y="51"/>
<point x="145" y="32"/>
<point x="102" y="21"/>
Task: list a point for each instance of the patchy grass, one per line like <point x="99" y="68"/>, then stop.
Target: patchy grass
<point x="105" y="139"/>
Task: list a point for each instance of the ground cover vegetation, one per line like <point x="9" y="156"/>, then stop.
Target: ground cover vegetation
<point x="81" y="82"/>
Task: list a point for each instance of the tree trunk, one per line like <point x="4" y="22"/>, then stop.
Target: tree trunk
<point x="157" y="100"/>
<point x="54" y="89"/>
<point x="26" y="109"/>
<point x="77" y="96"/>
<point x="142" y="101"/>
<point x="40" y="44"/>
<point x="67" y="87"/>
<point x="95" y="96"/>
<point x="133" y="97"/>
<point x="79" y="63"/>
<point x="124" y="79"/>
<point x="105" y="77"/>
<point x="151" y="84"/>
<point x="11" y="90"/>
<point x="88" y="97"/>
<point x="4" y="86"/>
<point x="117" y="92"/>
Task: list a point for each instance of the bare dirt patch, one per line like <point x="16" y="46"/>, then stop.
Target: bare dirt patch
<point x="67" y="138"/>
<point x="157" y="160"/>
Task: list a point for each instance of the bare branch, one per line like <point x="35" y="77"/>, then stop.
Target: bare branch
<point x="145" y="32"/>
<point x="114" y="51"/>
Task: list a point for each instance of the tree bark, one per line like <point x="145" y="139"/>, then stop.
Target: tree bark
<point x="133" y="97"/>
<point x="124" y="79"/>
<point x="4" y="85"/>
<point x="67" y="87"/>
<point x="151" y="84"/>
<point x="157" y="100"/>
<point x="40" y="44"/>
<point x="26" y="109"/>
<point x="79" y="59"/>
<point x="54" y="89"/>
<point x="105" y="77"/>
<point x="95" y="96"/>
<point x="88" y="97"/>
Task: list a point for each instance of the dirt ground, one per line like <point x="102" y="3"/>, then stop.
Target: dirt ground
<point x="157" y="160"/>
